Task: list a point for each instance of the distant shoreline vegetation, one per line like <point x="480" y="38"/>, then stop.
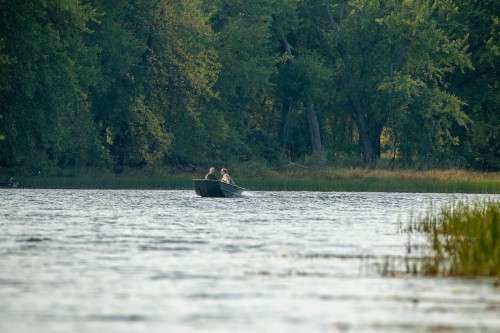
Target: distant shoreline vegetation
<point x="302" y="179"/>
<point x="143" y="84"/>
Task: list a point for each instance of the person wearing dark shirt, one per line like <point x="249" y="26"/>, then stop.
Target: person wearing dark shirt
<point x="211" y="175"/>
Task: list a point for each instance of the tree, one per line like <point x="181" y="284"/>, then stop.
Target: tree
<point x="244" y="87"/>
<point x="385" y="55"/>
<point x="478" y="87"/>
<point x="47" y="69"/>
<point x="158" y="67"/>
<point x="301" y="72"/>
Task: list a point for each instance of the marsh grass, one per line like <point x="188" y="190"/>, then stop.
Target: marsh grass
<point x="107" y="181"/>
<point x="465" y="240"/>
<point x="331" y="179"/>
<point x="297" y="179"/>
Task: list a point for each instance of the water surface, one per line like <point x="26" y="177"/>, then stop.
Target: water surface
<point x="159" y="261"/>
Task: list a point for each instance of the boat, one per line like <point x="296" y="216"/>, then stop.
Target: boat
<point x="216" y="189"/>
<point x="11" y="183"/>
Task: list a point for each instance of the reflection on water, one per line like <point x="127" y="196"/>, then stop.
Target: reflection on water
<point x="150" y="261"/>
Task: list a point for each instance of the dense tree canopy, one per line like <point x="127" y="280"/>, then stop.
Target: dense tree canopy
<point x="146" y="84"/>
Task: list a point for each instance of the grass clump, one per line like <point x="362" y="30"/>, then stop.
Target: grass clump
<point x="465" y="240"/>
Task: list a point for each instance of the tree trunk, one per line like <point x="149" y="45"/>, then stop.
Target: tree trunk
<point x="368" y="151"/>
<point x="370" y="139"/>
<point x="314" y="130"/>
<point x="312" y="117"/>
<point x="369" y="134"/>
<point x="285" y="111"/>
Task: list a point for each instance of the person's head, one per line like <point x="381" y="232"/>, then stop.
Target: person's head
<point x="223" y="171"/>
<point x="211" y="170"/>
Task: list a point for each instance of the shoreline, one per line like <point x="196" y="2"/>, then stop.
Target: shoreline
<point x="323" y="180"/>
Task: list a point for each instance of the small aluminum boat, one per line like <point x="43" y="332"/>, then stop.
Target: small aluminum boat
<point x="216" y="189"/>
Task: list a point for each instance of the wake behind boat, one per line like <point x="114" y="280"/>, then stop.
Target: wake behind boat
<point x="216" y="189"/>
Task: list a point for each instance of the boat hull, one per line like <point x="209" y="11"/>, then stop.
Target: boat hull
<point x="216" y="189"/>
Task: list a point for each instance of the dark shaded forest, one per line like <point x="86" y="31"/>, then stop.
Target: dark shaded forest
<point x="179" y="84"/>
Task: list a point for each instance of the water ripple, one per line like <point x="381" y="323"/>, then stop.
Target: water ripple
<point x="154" y="261"/>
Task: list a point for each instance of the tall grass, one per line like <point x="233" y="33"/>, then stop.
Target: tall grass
<point x="107" y="181"/>
<point x="465" y="240"/>
<point x="299" y="179"/>
<point x="334" y="179"/>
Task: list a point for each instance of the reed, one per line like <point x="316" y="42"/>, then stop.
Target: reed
<point x="107" y="181"/>
<point x="368" y="184"/>
<point x="465" y="240"/>
<point x="301" y="179"/>
<point x="334" y="179"/>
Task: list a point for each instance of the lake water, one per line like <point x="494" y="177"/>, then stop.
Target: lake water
<point x="168" y="261"/>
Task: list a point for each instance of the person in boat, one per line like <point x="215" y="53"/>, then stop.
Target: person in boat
<point x="226" y="178"/>
<point x="212" y="174"/>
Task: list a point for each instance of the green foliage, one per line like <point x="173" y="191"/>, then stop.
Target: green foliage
<point x="478" y="87"/>
<point x="147" y="84"/>
<point x="245" y="90"/>
<point x="390" y="59"/>
<point x="465" y="240"/>
<point x="46" y="71"/>
<point x="159" y="69"/>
